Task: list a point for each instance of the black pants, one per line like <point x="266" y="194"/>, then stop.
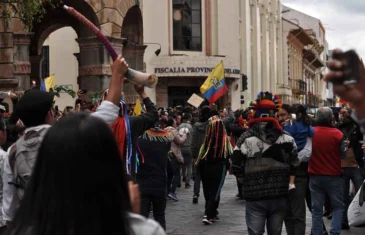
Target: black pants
<point x="174" y="178"/>
<point x="158" y="204"/>
<point x="197" y="181"/>
<point x="295" y="209"/>
<point x="239" y="187"/>
<point x="212" y="176"/>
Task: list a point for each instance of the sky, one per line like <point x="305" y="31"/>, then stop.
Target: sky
<point x="344" y="21"/>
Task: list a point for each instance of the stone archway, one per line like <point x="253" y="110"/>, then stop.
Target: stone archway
<point x="21" y="57"/>
<point x="132" y="30"/>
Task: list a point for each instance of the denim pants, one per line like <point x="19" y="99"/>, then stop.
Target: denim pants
<point x="320" y="186"/>
<point x="158" y="204"/>
<point x="296" y="211"/>
<point x="265" y="212"/>
<point x="350" y="174"/>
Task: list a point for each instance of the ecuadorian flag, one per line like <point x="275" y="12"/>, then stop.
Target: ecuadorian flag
<point x="48" y="83"/>
<point x="214" y="87"/>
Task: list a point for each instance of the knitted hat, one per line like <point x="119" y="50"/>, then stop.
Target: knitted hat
<point x="33" y="107"/>
<point x="266" y="105"/>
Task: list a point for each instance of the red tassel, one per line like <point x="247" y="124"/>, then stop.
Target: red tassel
<point x="119" y="131"/>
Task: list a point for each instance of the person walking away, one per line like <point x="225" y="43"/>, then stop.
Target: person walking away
<point x="197" y="141"/>
<point x="153" y="147"/>
<point x="213" y="163"/>
<point x="300" y="129"/>
<point x="328" y="147"/>
<point x="352" y="164"/>
<point x="264" y="159"/>
<point x="175" y="156"/>
<point x="186" y="148"/>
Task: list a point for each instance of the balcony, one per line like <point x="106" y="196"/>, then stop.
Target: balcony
<point x="312" y="100"/>
<point x="298" y="86"/>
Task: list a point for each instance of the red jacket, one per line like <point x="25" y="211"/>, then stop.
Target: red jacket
<point x="326" y="152"/>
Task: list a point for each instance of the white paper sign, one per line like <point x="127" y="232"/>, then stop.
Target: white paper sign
<point x="195" y="100"/>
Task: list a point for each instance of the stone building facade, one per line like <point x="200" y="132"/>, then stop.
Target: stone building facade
<point x="20" y="50"/>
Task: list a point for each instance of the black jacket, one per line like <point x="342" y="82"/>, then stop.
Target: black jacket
<point x="351" y="131"/>
<point x="141" y="123"/>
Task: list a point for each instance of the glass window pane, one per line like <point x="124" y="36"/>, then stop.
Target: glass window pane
<point x="187" y="4"/>
<point x="186" y="30"/>
<point x="196" y="4"/>
<point x="196" y="44"/>
<point x="196" y="18"/>
<point x="196" y="30"/>
<point x="176" y="2"/>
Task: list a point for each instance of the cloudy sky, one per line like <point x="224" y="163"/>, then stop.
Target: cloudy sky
<point x="344" y="21"/>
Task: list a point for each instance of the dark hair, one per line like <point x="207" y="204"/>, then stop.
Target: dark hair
<point x="286" y="107"/>
<point x="186" y="117"/>
<point x="170" y="121"/>
<point x="75" y="189"/>
<point x="204" y="114"/>
<point x="300" y="109"/>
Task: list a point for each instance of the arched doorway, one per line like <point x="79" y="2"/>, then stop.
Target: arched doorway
<point x="53" y="20"/>
<point x="133" y="52"/>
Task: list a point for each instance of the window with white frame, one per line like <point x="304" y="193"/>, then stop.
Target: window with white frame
<point x="187" y="25"/>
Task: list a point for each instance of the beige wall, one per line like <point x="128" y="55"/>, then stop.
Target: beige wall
<point x="224" y="38"/>
<point x="63" y="63"/>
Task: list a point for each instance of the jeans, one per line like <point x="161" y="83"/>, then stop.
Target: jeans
<point x="295" y="209"/>
<point x="197" y="182"/>
<point x="158" y="206"/>
<point x="188" y="164"/>
<point x="270" y="212"/>
<point x="350" y="174"/>
<point x="213" y="176"/>
<point x="320" y="186"/>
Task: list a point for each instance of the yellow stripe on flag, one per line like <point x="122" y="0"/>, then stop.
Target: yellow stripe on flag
<point x="216" y="75"/>
<point x="50" y="82"/>
<point x="138" y="108"/>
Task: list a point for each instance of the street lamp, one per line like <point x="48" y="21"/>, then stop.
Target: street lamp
<point x="157" y="52"/>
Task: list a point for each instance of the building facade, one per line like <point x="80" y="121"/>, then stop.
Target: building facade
<point x="195" y="35"/>
<point x="304" y="56"/>
<point x="21" y="56"/>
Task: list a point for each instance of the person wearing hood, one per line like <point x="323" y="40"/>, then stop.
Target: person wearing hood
<point x="199" y="129"/>
<point x="264" y="159"/>
<point x="352" y="164"/>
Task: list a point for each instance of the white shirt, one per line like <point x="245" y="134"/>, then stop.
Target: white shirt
<point x="106" y="111"/>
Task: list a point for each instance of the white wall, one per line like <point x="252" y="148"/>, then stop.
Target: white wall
<point x="63" y="63"/>
<point x="155" y="30"/>
<point x="228" y="38"/>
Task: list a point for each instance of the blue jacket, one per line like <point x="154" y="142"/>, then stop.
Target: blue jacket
<point x="299" y="132"/>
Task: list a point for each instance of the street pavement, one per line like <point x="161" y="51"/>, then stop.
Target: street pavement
<point x="183" y="217"/>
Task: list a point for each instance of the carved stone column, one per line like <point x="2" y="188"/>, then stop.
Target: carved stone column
<point x="22" y="66"/>
<point x="94" y="63"/>
<point x="134" y="57"/>
<point x="6" y="53"/>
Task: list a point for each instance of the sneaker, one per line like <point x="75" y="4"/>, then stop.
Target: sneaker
<point x="195" y="199"/>
<point x="187" y="186"/>
<point x="215" y="219"/>
<point x="173" y="197"/>
<point x="207" y="221"/>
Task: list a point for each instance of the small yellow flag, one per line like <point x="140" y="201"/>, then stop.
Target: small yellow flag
<point x="138" y="108"/>
<point x="49" y="83"/>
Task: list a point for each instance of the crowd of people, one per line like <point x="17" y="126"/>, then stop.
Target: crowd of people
<point x="105" y="172"/>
